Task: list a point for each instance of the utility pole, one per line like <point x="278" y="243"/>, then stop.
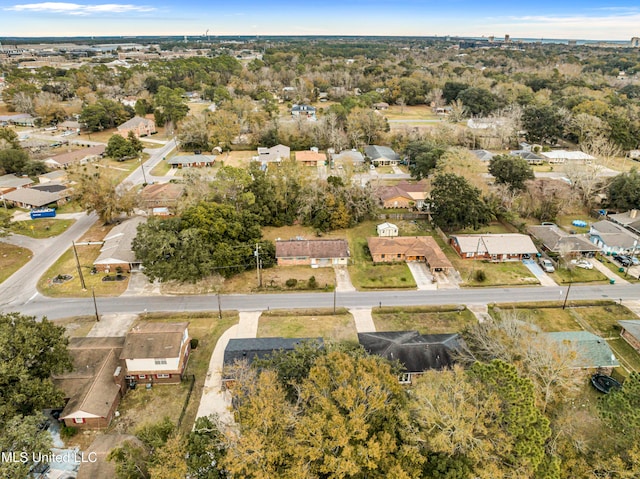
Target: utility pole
<point x="75" y="253"/>
<point x="334" y="301"/>
<point x="219" y="307"/>
<point x="633" y="255"/>
<point x="256" y="253"/>
<point x="95" y="305"/>
<point x="564" y="304"/>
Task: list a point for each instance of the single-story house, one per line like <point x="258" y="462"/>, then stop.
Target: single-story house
<point x="416" y="352"/>
<point x="387" y="229"/>
<point x="593" y="351"/>
<point x="11" y="182"/>
<point x="381" y="155"/>
<point x="156" y="352"/>
<point x="394" y="197"/>
<point x="95" y="385"/>
<point x="116" y="250"/>
<point x="19" y="119"/>
<point x="310" y="158"/>
<point x="250" y="349"/>
<point x="483" y="155"/>
<point x="613" y="238"/>
<point x="76" y="156"/>
<point x="628" y="219"/>
<point x="139" y="126"/>
<point x="494" y="247"/>
<point x="529" y="156"/>
<point x="57" y="176"/>
<point x="183" y="161"/>
<point x="305" y="111"/>
<point x="35" y="198"/>
<point x="160" y="199"/>
<point x="404" y="195"/>
<point x="409" y="248"/>
<point x="380" y="106"/>
<point x="562" y="156"/>
<point x="316" y="253"/>
<point x="630" y="332"/>
<point x="556" y="240"/>
<point x="97" y="466"/>
<point x="485" y="123"/>
<point x="275" y="154"/>
<point x="68" y="125"/>
<point x="353" y="157"/>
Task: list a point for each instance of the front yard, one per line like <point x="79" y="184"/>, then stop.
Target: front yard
<point x="282" y="278"/>
<point x="41" y="227"/>
<point x="578" y="275"/>
<point x="424" y="319"/>
<point x="308" y="324"/>
<point x="12" y="258"/>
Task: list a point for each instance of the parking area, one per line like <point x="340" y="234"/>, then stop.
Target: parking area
<point x="544" y="278"/>
<point x="422" y="276"/>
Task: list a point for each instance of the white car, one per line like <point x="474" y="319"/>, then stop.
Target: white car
<point x="546" y="265"/>
<point x="581" y="263"/>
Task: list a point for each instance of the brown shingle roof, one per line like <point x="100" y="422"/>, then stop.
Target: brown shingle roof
<point x="134" y="122"/>
<point x="162" y="192"/>
<point x="328" y="248"/>
<point x="154" y="340"/>
<point x="306" y="156"/>
<point x="411" y="246"/>
<point x="89" y="385"/>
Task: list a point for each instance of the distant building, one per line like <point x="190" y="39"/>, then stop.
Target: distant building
<point x="275" y="154"/>
<point x="310" y="158"/>
<point x="75" y="157"/>
<point x="191" y="161"/>
<point x="381" y="155"/>
<point x="139" y="126"/>
<point x="563" y="156"/>
<point x="303" y="111"/>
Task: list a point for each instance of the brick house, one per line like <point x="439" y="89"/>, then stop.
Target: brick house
<point x="139" y="126"/>
<point x="116" y="250"/>
<point x="76" y="156"/>
<point x="630" y="332"/>
<point x="493" y="247"/>
<point x="316" y="253"/>
<point x="95" y="385"/>
<point x="156" y="352"/>
<point x="409" y="248"/>
<point x="310" y="158"/>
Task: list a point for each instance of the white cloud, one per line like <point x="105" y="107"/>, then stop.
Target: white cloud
<point x="78" y="9"/>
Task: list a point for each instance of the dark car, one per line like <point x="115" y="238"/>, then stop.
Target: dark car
<point x="623" y="260"/>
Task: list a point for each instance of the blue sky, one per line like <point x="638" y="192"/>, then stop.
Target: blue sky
<point x="588" y="19"/>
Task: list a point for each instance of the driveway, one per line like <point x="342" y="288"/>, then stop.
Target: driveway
<point x="610" y="274"/>
<point x="364" y="321"/>
<point x="112" y="325"/>
<point x="139" y="285"/>
<point x="544" y="278"/>
<point x="422" y="276"/>
<point x="343" y="280"/>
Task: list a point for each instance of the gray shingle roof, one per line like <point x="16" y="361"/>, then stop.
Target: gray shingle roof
<point x="554" y="239"/>
<point x="416" y="352"/>
<point x="632" y="326"/>
<point x="375" y="151"/>
<point x="251" y="348"/>
<point x="329" y="248"/>
<point x="117" y="244"/>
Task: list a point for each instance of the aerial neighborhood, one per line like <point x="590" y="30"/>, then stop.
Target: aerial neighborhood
<point x="320" y="257"/>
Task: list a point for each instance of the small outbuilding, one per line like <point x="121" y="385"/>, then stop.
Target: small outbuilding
<point x="387" y="229"/>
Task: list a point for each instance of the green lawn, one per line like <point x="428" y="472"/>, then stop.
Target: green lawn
<point x="426" y="320"/>
<point x="604" y="319"/>
<point x="578" y="275"/>
<point x="12" y="258"/>
<point x="492" y="228"/>
<point x="547" y="319"/>
<point x="41" y="227"/>
<point x="364" y="274"/>
<point x="161" y="169"/>
<point x="340" y="327"/>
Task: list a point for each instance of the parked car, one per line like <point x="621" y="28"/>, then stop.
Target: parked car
<point x="582" y="263"/>
<point x="623" y="260"/>
<point x="635" y="261"/>
<point x="546" y="265"/>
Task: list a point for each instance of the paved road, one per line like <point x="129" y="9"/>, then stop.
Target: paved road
<point x="61" y="308"/>
<point x="20" y="288"/>
<point x="156" y="155"/>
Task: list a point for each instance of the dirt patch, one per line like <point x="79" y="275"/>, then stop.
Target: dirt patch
<point x="275" y="279"/>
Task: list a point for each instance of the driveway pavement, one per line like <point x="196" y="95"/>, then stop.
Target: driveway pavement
<point x="364" y="321"/>
<point x="422" y="276"/>
<point x="608" y="273"/>
<point x="112" y="325"/>
<point x="544" y="278"/>
<point x="343" y="280"/>
<point x="139" y="285"/>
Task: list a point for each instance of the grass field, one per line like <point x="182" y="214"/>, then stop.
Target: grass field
<point x="41" y="227"/>
<point x="426" y="320"/>
<point x="12" y="258"/>
<point x="161" y="169"/>
<point x="274" y="279"/>
<point x="142" y="405"/>
<point x="416" y="112"/>
<point x="578" y="275"/>
<point x="340" y="327"/>
<point x="547" y="319"/>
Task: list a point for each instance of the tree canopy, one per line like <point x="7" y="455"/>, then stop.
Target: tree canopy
<point x="624" y="191"/>
<point x="511" y="170"/>
<point x="456" y="204"/>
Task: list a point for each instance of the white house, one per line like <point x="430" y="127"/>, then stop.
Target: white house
<point x="387" y="229"/>
<point x="156" y="352"/>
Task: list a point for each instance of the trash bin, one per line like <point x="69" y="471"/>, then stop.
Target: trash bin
<point x="612" y="281"/>
<point x="620" y="270"/>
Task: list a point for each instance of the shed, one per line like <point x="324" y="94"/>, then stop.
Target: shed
<point x="387" y="229"/>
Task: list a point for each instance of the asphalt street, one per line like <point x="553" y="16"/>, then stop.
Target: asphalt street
<point x="55" y="308"/>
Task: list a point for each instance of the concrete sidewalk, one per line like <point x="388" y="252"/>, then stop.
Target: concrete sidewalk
<point x="607" y="272"/>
